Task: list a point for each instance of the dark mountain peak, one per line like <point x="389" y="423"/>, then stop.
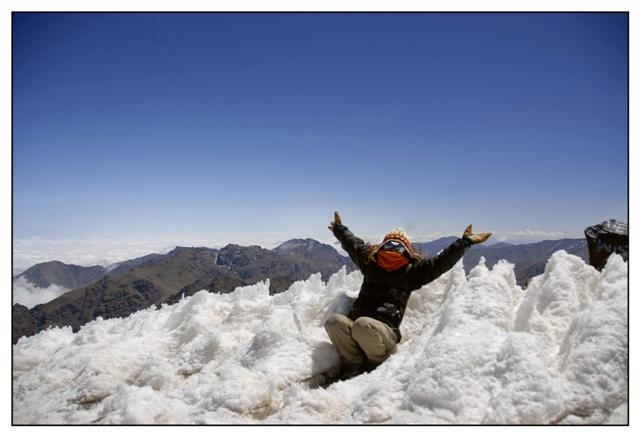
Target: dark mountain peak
<point x="297" y="244"/>
<point x="236" y="247"/>
<point x="125" y="266"/>
<point x="183" y="251"/>
<point x="500" y="245"/>
<point x="43" y="275"/>
<point x="433" y="247"/>
<point x="230" y="246"/>
<point x="239" y="257"/>
<point x="177" y="251"/>
<point x="234" y="250"/>
<point x="53" y="265"/>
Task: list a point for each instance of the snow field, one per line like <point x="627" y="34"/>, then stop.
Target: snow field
<point x="476" y="349"/>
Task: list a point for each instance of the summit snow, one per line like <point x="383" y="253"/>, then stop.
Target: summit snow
<point x="476" y="349"/>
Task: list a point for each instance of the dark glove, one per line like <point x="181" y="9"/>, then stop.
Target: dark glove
<point x="475" y="238"/>
<point x="336" y="221"/>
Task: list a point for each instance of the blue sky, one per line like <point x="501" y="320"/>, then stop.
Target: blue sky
<point x="263" y="124"/>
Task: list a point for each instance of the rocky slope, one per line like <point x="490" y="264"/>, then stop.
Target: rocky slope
<point x="166" y="278"/>
<point x="66" y="275"/>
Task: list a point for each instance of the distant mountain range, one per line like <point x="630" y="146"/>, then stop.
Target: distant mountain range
<point x="156" y="279"/>
<point x="529" y="259"/>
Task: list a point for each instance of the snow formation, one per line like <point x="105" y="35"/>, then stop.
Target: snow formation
<point x="476" y="350"/>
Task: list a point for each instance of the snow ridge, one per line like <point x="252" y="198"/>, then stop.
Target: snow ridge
<point x="476" y="349"/>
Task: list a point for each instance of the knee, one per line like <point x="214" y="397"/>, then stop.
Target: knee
<point x="362" y="328"/>
<point x="330" y="322"/>
<point x="336" y="322"/>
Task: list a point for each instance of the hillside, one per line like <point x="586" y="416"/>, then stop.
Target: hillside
<point x="66" y="275"/>
<point x="167" y="278"/>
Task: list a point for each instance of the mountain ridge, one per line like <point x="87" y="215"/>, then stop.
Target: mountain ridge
<point x="165" y="279"/>
<point x="168" y="278"/>
<point x="69" y="276"/>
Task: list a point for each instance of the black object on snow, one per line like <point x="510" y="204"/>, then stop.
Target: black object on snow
<point x="608" y="237"/>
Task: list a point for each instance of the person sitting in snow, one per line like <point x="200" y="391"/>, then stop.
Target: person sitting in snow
<point x="392" y="270"/>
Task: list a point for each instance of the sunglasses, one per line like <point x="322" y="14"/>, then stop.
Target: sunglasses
<point x="391" y="246"/>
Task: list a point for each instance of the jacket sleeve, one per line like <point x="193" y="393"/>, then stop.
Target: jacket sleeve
<point x="427" y="270"/>
<point x="355" y="247"/>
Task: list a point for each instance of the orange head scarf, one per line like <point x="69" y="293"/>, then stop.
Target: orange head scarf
<point x="391" y="260"/>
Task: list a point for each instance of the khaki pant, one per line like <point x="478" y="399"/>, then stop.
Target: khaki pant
<point x="363" y="339"/>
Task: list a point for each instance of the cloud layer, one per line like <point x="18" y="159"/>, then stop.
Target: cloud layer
<point x="27" y="294"/>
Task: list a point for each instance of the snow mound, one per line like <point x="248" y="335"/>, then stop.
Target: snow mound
<point x="476" y="349"/>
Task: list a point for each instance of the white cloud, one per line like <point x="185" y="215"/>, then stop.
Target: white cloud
<point x="529" y="235"/>
<point x="27" y="294"/>
<point x="85" y="252"/>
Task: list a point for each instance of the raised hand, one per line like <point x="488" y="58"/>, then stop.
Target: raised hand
<point x="336" y="221"/>
<point x="475" y="238"/>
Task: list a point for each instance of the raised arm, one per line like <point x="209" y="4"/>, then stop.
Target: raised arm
<point x="355" y="247"/>
<point x="427" y="270"/>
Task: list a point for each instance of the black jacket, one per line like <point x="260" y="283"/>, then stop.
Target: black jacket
<point x="383" y="294"/>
